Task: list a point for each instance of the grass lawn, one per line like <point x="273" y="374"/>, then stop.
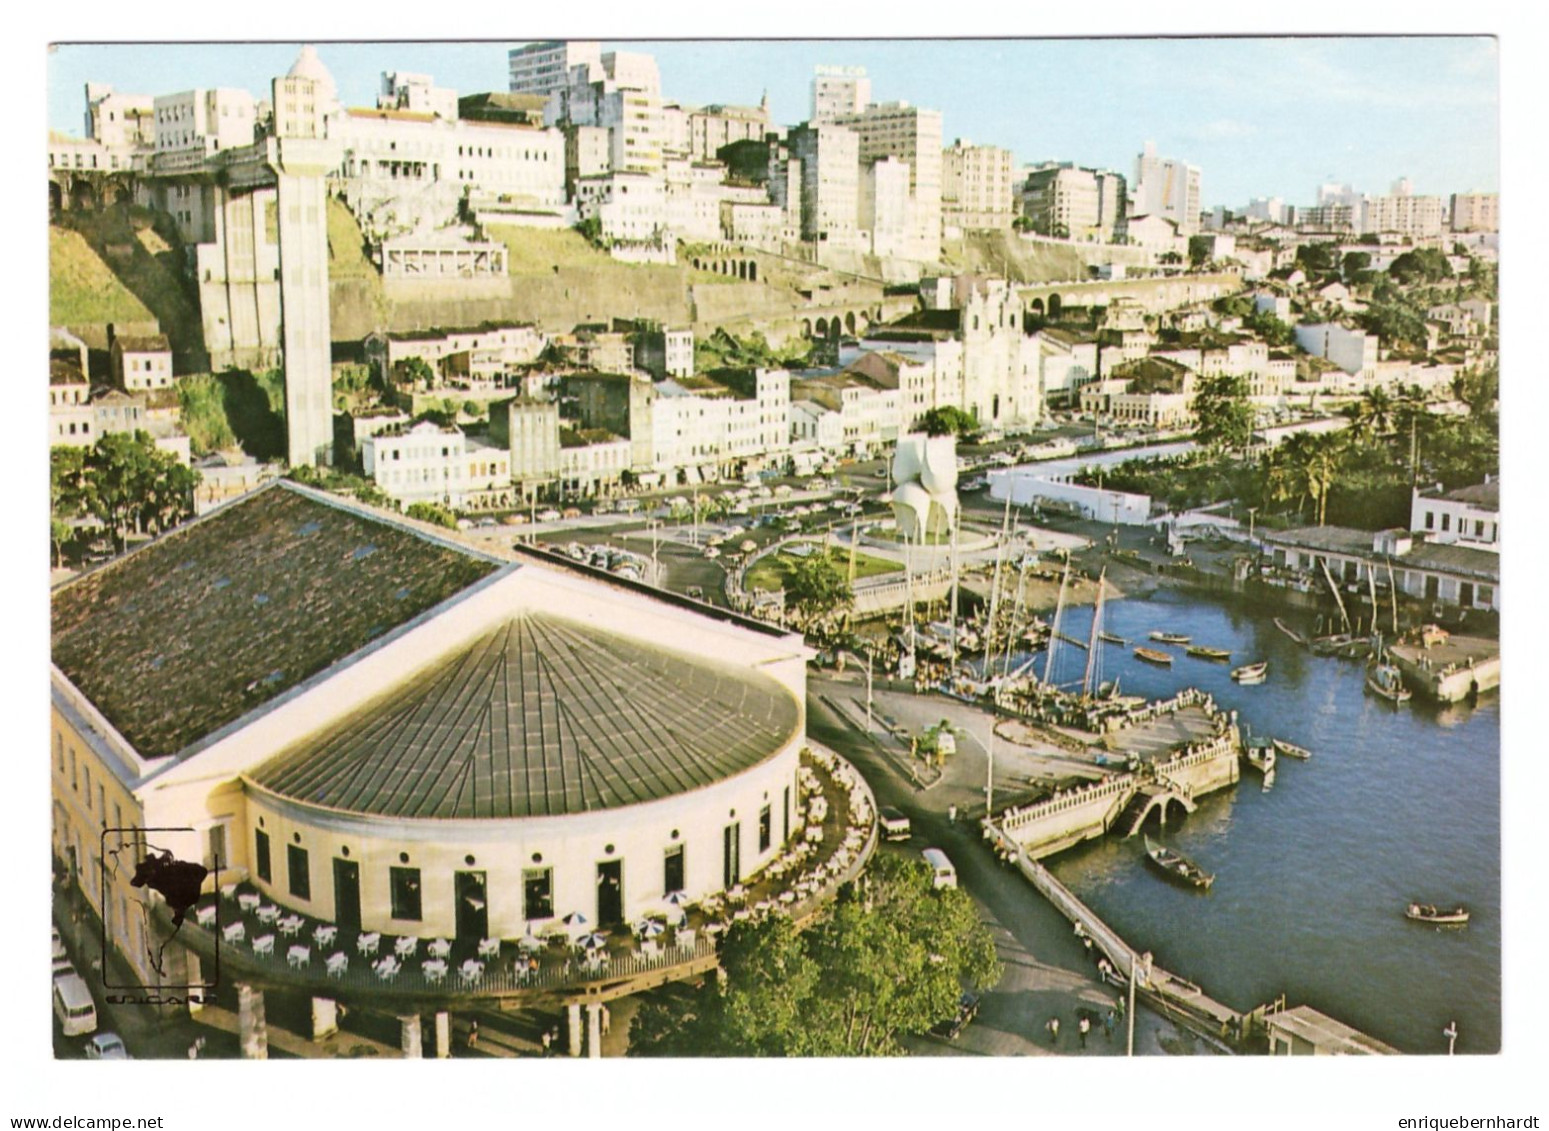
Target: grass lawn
<point x="346" y="245"/>
<point x="82" y="288"/>
<point x="533" y="251"/>
<point x="773" y="571"/>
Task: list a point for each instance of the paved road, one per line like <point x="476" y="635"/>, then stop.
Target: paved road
<point x="1047" y="971"/>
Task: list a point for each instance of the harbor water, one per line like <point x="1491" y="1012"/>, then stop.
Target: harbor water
<point x="1398" y="803"/>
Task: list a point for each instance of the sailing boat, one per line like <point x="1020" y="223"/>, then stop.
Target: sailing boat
<point x="1093" y="677"/>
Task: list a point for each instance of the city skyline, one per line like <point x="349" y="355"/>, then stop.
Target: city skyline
<point x="1382" y="108"/>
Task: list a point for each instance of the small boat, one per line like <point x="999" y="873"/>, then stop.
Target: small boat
<point x="1291" y="750"/>
<point x="1110" y="638"/>
<point x="1151" y="655"/>
<point x="1251" y="673"/>
<point x="1201" y="652"/>
<point x="1429" y="913"/>
<point x="1072" y="640"/>
<point x="1170" y="638"/>
<point x="1386" y="680"/>
<point x="1291" y="632"/>
<point x="1177" y="866"/>
<point x="1260" y="754"/>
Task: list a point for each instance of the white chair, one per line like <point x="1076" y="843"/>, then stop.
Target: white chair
<point x="338" y="963"/>
<point x="263" y="944"/>
<point x="268" y="913"/>
<point x="686" y="938"/>
<point x="470" y="971"/>
<point x="234" y="931"/>
<point x="489" y="948"/>
<point x="298" y="956"/>
<point x="248" y="900"/>
<point x="439" y="948"/>
<point x="291" y="925"/>
<point x="325" y="934"/>
<point x="649" y="949"/>
<point x="406" y="947"/>
<point x="368" y="943"/>
<point x="387" y="968"/>
<point x="205" y="916"/>
<point x="434" y="970"/>
<point x="229" y="891"/>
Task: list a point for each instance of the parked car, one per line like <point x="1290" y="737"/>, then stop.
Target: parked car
<point x="73" y="1005"/>
<point x="550" y="515"/>
<point x="943" y="874"/>
<point x="895" y="826"/>
<point x="106" y="1046"/>
<point x="967" y="1010"/>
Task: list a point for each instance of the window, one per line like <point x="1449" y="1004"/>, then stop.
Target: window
<point x="538" y="893"/>
<point x="765" y="829"/>
<point x="1478" y="528"/>
<point x="300" y="875"/>
<point x="406" y="893"/>
<point x="261" y="856"/>
<point x="1485" y="596"/>
<point x="59" y="750"/>
<point x="73" y="783"/>
<point x="217" y="856"/>
<point x="672" y="878"/>
<point x="1446" y="521"/>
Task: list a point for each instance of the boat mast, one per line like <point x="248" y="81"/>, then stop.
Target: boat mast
<point x="1054" y="626"/>
<point x="1091" y="651"/>
<point x="1393" y="592"/>
<point x="989" y="628"/>
<point x="1344" y="617"/>
<point x="952" y="609"/>
<point x="1016" y="617"/>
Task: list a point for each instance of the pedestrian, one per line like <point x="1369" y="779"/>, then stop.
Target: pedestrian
<point x="1054" y="1030"/>
<point x="548" y="1041"/>
<point x="193" y="1051"/>
<point x="1109" y="1019"/>
<point x="607" y="1020"/>
<point x="1084" y="1028"/>
<point x="473" y="1033"/>
<point x="952" y="814"/>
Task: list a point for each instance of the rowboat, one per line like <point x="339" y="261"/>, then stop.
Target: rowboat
<point x="1251" y="673"/>
<point x="1291" y="632"/>
<point x="1110" y="638"/>
<point x="1151" y="655"/>
<point x="1386" y="681"/>
<point x="1177" y="866"/>
<point x="1170" y="638"/>
<point x="1291" y="750"/>
<point x="1429" y="913"/>
<point x="1201" y="652"/>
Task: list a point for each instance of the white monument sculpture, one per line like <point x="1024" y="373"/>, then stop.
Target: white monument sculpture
<point x="925" y="495"/>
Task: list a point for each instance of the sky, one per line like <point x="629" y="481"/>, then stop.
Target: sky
<point x="1271" y="117"/>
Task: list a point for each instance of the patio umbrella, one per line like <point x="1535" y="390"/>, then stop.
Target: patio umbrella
<point x="650" y="929"/>
<point x="592" y="940"/>
<point x="678" y="899"/>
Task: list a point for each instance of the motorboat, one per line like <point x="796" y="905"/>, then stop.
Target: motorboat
<point x="1442" y="916"/>
<point x="1260" y="754"/>
<point x="1170" y="638"/>
<point x="1387" y="681"/>
<point x="1199" y="651"/>
<point x="1152" y="656"/>
<point x="1252" y="673"/>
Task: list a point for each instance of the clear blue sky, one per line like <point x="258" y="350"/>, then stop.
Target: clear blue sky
<point x="1261" y="117"/>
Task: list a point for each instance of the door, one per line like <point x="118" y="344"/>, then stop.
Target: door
<point x="1466" y="594"/>
<point x="1432" y="588"/>
<point x="610" y="893"/>
<point x="731" y="869"/>
<point x="472" y="906"/>
<point x="346" y="894"/>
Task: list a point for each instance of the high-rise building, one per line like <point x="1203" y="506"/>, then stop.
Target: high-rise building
<point x="1167" y="188"/>
<point x="1415" y="216"/>
<point x="885" y="211"/>
<point x="542" y="68"/>
<point x="912" y="134"/>
<point x="1476" y="212"/>
<point x="830" y="175"/>
<point x="976" y="186"/>
<point x="838" y="91"/>
<point x="622" y="94"/>
<point x="1073" y="203"/>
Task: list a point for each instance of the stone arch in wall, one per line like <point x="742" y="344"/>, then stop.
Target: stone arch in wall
<point x="1036" y="308"/>
<point x="1056" y="304"/>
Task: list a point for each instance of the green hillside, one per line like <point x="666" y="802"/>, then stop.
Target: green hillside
<point x="82" y="289"/>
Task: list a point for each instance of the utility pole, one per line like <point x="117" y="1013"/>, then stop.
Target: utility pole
<point x="868" y="692"/>
<point x="1451" y="1033"/>
<point x="989" y="776"/>
<point x="1129" y="1045"/>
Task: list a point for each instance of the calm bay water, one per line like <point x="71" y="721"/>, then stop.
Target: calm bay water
<point x="1312" y="877"/>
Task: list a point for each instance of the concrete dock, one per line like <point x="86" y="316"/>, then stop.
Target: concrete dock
<point x="1452" y="669"/>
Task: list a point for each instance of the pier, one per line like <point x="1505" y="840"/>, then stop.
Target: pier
<point x="1449" y="668"/>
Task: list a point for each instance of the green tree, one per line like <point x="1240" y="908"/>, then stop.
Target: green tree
<point x="432" y="513"/>
<point x="889" y="958"/>
<point x="818" y="587"/>
<point x="416" y="373"/>
<point x="1356" y="262"/>
<point x="1199" y="250"/>
<point x="1420" y="265"/>
<point x="1318" y="260"/>
<point x="949" y="420"/>
<point x="1225" y="418"/>
<point x="1271" y="329"/>
<point x="130" y="485"/>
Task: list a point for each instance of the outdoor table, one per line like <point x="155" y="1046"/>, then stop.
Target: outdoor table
<point x="387" y="968"/>
<point x="742" y="916"/>
<point x="406" y="946"/>
<point x="247" y="901"/>
<point x="530" y="943"/>
<point x="206" y="916"/>
<point x="299" y="956"/>
<point x="233" y="931"/>
<point x="263" y="944"/>
<point x="338" y="963"/>
<point x="367" y="944"/>
<point x="291" y="925"/>
<point x="490" y="948"/>
<point x="439" y="948"/>
<point x="268" y="913"/>
<point x="434" y="969"/>
<point x="325" y="934"/>
<point x="471" y="970"/>
<point x="229" y="891"/>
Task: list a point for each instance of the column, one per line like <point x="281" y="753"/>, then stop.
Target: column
<point x="573" y="1015"/>
<point x="325" y="1018"/>
<point x="593" y="1029"/>
<point x="411" y="1042"/>
<point x="252" y="1030"/>
<point x="443" y="1033"/>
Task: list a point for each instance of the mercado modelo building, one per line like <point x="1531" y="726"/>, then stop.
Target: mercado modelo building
<point x="364" y="727"/>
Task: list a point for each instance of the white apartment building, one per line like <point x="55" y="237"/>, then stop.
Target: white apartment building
<point x="1068" y="360"/>
<point x="1269" y="208"/>
<point x="1468" y="516"/>
<point x="1167" y="188"/>
<point x="885" y="210"/>
<point x="693" y="200"/>
<point x="1354" y="351"/>
<point x="1475" y="212"/>
<point x="142" y="362"/>
<point x="838" y="91"/>
<point x="542" y="68"/>
<point x="664" y="351"/>
<point x="417" y="94"/>
<point x="480" y="352"/>
<point x="977" y="187"/>
<point x="716" y="430"/>
<point x="429" y="463"/>
<point x="206" y="120"/>
<point x="585" y="469"/>
<point x="675" y="132"/>
<point x="847" y="413"/>
<point x="621" y="94"/>
<point x="828" y="157"/>
<point x="631" y="207"/>
<point x="913" y="135"/>
<point x="117" y="120"/>
<point x="755" y="225"/>
<point x="1415" y="217"/>
<point x="711" y="128"/>
<point x="1072" y="203"/>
